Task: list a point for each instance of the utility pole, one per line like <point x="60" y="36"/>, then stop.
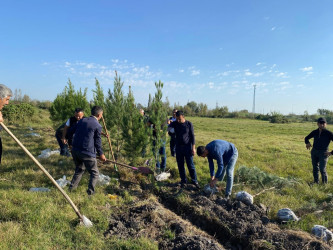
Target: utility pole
<point x="254" y="100"/>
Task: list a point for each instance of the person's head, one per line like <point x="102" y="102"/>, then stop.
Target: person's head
<point x="97" y="111"/>
<point x="180" y="116"/>
<point x="142" y="112"/>
<point x="321" y="122"/>
<point x="202" y="151"/>
<point x="5" y="95"/>
<point x="78" y="113"/>
<point x="174" y="111"/>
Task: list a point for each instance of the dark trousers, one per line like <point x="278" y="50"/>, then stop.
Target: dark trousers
<point x="63" y="147"/>
<point x="185" y="152"/>
<point x="319" y="162"/>
<point x="161" y="153"/>
<point x="83" y="162"/>
<point x="173" y="144"/>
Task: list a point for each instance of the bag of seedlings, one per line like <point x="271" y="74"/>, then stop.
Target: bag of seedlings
<point x="285" y="214"/>
<point x="209" y="190"/>
<point x="322" y="233"/>
<point x="244" y="197"/>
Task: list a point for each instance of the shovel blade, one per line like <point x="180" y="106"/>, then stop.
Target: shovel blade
<point x="86" y="222"/>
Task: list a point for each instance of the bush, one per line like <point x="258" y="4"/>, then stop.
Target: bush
<point x="18" y="112"/>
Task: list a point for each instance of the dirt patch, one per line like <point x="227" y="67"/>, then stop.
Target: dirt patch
<point x="152" y="220"/>
<point x="234" y="224"/>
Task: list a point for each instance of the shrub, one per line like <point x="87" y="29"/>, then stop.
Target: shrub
<point x="18" y="112"/>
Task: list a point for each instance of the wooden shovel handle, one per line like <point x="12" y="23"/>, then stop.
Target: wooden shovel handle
<point x="44" y="170"/>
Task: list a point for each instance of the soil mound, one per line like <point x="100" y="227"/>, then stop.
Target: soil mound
<point x="151" y="220"/>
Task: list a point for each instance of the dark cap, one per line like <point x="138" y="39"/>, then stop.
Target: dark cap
<point x="322" y="120"/>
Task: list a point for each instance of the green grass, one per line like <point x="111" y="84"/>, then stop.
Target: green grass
<point x="46" y="221"/>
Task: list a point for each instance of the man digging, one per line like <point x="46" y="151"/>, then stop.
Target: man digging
<point x="226" y="154"/>
<point x="5" y="95"/>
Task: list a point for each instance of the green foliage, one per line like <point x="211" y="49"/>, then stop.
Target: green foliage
<point x="260" y="178"/>
<point x="278" y="118"/>
<point x="99" y="99"/>
<point x="19" y="112"/>
<point x="65" y="103"/>
<point x="114" y="114"/>
<point x="158" y="116"/>
<point x="134" y="130"/>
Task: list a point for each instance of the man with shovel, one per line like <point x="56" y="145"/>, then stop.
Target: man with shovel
<point x="226" y="154"/>
<point x="86" y="144"/>
<point x="5" y="95"/>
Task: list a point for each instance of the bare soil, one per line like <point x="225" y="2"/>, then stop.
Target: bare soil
<point x="188" y="219"/>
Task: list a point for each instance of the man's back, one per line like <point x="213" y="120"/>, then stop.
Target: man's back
<point x="87" y="137"/>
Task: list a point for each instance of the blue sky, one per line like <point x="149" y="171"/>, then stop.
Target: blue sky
<point x="203" y="51"/>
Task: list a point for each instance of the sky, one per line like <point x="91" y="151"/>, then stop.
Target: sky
<point x="211" y="52"/>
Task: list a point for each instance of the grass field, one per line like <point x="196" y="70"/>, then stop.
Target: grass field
<point x="46" y="221"/>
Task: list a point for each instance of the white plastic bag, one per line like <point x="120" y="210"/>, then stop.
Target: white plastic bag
<point x="62" y="182"/>
<point x="103" y="180"/>
<point x="46" y="153"/>
<point x="209" y="190"/>
<point x="322" y="233"/>
<point x="244" y="197"/>
<point x="39" y="189"/>
<point x="285" y="214"/>
<point x="163" y="176"/>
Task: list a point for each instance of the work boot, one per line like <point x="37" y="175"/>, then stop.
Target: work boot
<point x="196" y="184"/>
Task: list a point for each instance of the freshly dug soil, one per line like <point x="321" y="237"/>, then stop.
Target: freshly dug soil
<point x="151" y="220"/>
<point x="234" y="224"/>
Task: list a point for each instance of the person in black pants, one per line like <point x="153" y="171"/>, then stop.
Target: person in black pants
<point x="185" y="147"/>
<point x="172" y="135"/>
<point x="5" y="95"/>
<point x="86" y="144"/>
<point x="319" y="153"/>
<point x="63" y="138"/>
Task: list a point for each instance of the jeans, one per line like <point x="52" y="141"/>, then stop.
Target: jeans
<point x="229" y="170"/>
<point x="319" y="161"/>
<point x="173" y="144"/>
<point x="83" y="162"/>
<point x="185" y="152"/>
<point x="161" y="152"/>
<point x="63" y="147"/>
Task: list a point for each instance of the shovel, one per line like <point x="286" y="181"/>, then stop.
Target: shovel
<point x="143" y="170"/>
<point x="86" y="222"/>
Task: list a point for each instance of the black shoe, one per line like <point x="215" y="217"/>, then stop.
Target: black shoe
<point x="196" y="184"/>
<point x="227" y="197"/>
<point x="182" y="185"/>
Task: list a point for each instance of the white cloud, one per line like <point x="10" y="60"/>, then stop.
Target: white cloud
<point x="211" y="85"/>
<point x="273" y="28"/>
<point x="195" y="72"/>
<point x="306" y="69"/>
<point x="181" y="71"/>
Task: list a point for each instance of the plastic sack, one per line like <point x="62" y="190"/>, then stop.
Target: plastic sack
<point x="46" y="153"/>
<point x="244" y="197"/>
<point x="103" y="179"/>
<point x="209" y="190"/>
<point x="163" y="176"/>
<point x="62" y="182"/>
<point x="285" y="214"/>
<point x="322" y="233"/>
<point x="33" y="135"/>
<point x="39" y="189"/>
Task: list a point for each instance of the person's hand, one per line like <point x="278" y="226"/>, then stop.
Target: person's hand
<point x="308" y="146"/>
<point x="105" y="134"/>
<point x="213" y="182"/>
<point x="328" y="153"/>
<point x="102" y="157"/>
<point x="193" y="151"/>
<point x="64" y="141"/>
<point x="1" y="118"/>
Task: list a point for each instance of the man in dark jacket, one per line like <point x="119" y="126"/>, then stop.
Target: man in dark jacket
<point x="172" y="119"/>
<point x="185" y="147"/>
<point x="226" y="155"/>
<point x="86" y="144"/>
<point x="63" y="138"/>
<point x="319" y="153"/>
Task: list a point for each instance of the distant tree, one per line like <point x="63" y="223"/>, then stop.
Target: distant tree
<point x="65" y="103"/>
<point x="99" y="99"/>
<point x="26" y="99"/>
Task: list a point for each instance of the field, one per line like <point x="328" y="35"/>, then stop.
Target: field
<point x="30" y="220"/>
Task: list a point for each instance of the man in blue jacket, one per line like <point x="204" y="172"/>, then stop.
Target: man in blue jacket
<point x="225" y="154"/>
<point x="86" y="144"/>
